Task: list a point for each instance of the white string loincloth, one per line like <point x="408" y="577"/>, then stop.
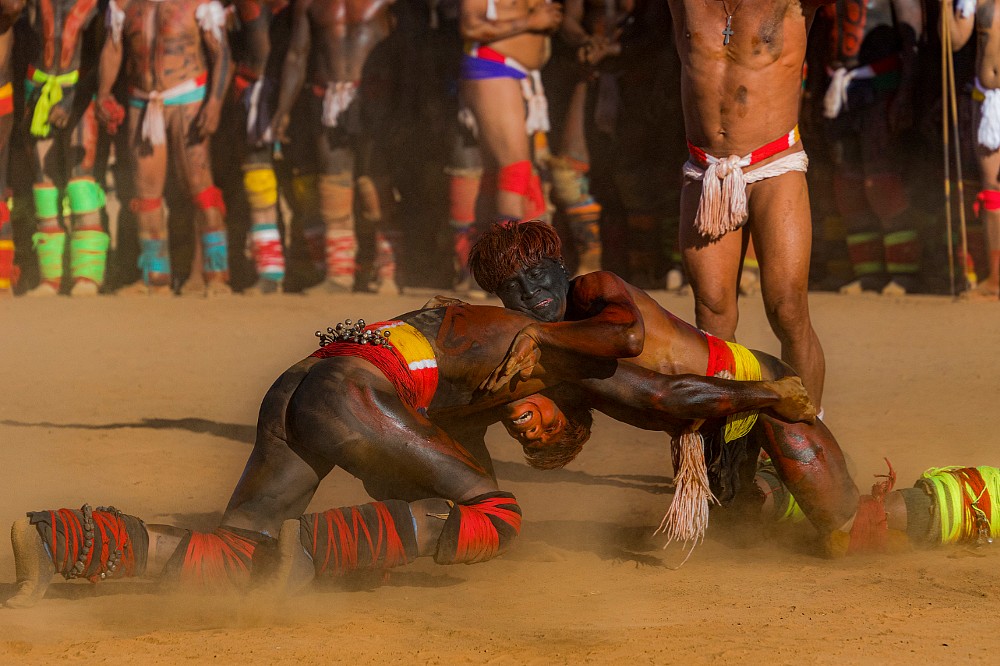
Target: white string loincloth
<point x="723" y="204"/>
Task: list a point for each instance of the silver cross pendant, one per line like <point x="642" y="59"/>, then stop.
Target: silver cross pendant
<point x="728" y="32"/>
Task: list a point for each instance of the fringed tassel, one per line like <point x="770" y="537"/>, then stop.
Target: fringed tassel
<point x="153" y="125"/>
<point x="723" y="205"/>
<point x="687" y="518"/>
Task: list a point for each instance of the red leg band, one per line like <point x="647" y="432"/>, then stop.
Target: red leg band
<point x="377" y="535"/>
<point x="870" y="532"/>
<point x="479" y="529"/>
<point x="986" y="200"/>
<point x="515" y="178"/>
<point x="210" y="197"/>
<point x="218" y="557"/>
<point x="145" y="205"/>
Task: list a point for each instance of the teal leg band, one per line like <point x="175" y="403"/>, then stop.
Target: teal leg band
<point x="215" y="252"/>
<point x="154" y="260"/>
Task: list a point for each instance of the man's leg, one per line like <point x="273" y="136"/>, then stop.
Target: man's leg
<point x="344" y="411"/>
<point x="781" y="225"/>
<point x="89" y="243"/>
<point x="261" y="186"/>
<point x="498" y="105"/>
<point x="150" y="167"/>
<point x="712" y="267"/>
<point x="192" y="160"/>
<point x="989" y="214"/>
<point x="49" y="239"/>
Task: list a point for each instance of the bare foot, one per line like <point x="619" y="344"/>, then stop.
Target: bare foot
<point x="140" y="288"/>
<point x="43" y="290"/>
<point x="32" y="565"/>
<point x="984" y="291"/>
<point x="216" y="287"/>
<point x="294" y="569"/>
<point x="84" y="288"/>
<point x="193" y="286"/>
<point x="264" y="287"/>
<point x="333" y="286"/>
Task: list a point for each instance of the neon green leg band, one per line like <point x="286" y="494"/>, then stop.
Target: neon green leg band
<point x="46" y="201"/>
<point x="49" y="248"/>
<point x="88" y="254"/>
<point x="85" y="196"/>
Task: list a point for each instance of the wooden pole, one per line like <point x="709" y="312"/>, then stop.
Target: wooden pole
<point x="959" y="180"/>
<point x="945" y="46"/>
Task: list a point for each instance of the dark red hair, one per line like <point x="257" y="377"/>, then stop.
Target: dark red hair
<point x="507" y="247"/>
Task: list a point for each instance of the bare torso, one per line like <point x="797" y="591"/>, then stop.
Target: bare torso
<point x="343" y="34"/>
<point x="164" y="43"/>
<point x="988" y="44"/>
<point x="531" y="49"/>
<point x="58" y="25"/>
<point x="744" y="94"/>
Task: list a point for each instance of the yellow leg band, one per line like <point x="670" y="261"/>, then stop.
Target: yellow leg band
<point x="261" y="187"/>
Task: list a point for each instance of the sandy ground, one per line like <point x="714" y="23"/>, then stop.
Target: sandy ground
<point x="150" y="405"/>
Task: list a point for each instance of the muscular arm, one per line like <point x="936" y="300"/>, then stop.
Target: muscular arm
<point x="572" y="26"/>
<point x="642" y="397"/>
<point x="475" y="27"/>
<point x="605" y="324"/>
<point x="960" y="27"/>
<point x="909" y="25"/>
<point x="256" y="21"/>
<point x="220" y="58"/>
<point x="111" y="60"/>
<point x="606" y="321"/>
<point x="293" y="72"/>
<point x="10" y="11"/>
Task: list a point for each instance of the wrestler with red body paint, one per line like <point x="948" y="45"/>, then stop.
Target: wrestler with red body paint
<point x="600" y="316"/>
<point x="332" y="40"/>
<point x="404" y="419"/>
<point x="177" y="65"/>
<point x="9" y="12"/>
<point x="63" y="142"/>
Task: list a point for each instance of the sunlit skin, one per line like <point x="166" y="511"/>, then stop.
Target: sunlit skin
<point x="341" y="412"/>
<point x="740" y="92"/>
<point x="535" y="421"/>
<point x="605" y="317"/>
<point x="521" y="31"/>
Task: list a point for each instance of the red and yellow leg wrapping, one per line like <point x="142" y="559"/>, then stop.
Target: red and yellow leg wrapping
<point x="8" y="271"/>
<point x="378" y="535"/>
<point x="479" y="529"/>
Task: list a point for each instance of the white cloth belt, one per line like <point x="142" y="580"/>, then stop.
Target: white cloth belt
<point x="835" y="99"/>
<point x="989" y="117"/>
<point x="154" y="129"/>
<point x="537" y="116"/>
<point x="336" y="99"/>
<point x="254" y="110"/>
<point x="723" y="204"/>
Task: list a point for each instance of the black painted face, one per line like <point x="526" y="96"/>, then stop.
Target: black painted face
<point x="538" y="291"/>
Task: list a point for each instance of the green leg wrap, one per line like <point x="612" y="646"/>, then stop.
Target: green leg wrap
<point x="88" y="254"/>
<point x="85" y="196"/>
<point x="50" y="247"/>
<point x="46" y="201"/>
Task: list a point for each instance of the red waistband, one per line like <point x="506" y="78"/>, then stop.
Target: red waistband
<point x="720" y="356"/>
<point x="759" y="155"/>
